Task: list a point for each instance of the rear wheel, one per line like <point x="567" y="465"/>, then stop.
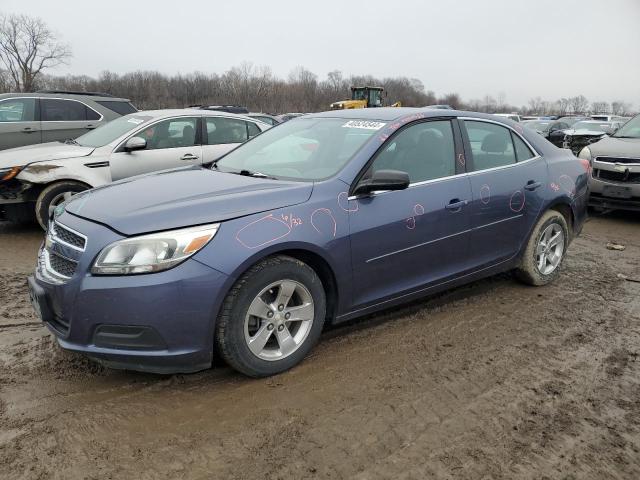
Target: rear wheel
<point x="52" y="196"/>
<point x="272" y="317"/>
<point x="545" y="250"/>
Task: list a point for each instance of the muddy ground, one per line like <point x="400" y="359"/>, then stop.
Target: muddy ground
<point x="492" y="380"/>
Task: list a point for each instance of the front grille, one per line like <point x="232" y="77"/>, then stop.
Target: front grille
<point x="62" y="266"/>
<point x="618" y="160"/>
<point x="622" y="177"/>
<point x="67" y="236"/>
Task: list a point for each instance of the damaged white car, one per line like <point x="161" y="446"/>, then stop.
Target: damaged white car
<point x="34" y="179"/>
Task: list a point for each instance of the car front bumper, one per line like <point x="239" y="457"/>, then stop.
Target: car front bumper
<point x="161" y="322"/>
<point x="615" y="188"/>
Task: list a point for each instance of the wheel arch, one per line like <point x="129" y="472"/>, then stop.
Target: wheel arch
<point x="309" y="254"/>
<point x="563" y="206"/>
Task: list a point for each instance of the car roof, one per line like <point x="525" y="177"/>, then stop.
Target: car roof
<point x="74" y="95"/>
<point x="175" y="112"/>
<point x="387" y="114"/>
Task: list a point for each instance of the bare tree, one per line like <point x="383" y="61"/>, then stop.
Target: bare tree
<point x="620" y="108"/>
<point x="600" y="107"/>
<point x="579" y="104"/>
<point x="27" y="48"/>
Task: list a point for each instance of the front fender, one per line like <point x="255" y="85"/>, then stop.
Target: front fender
<point x="46" y="172"/>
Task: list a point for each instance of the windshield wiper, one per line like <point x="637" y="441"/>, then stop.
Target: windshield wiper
<point x="251" y="173"/>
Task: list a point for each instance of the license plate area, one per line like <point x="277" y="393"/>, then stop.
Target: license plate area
<point x="615" y="191"/>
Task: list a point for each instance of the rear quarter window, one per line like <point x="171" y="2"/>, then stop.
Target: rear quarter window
<point x="122" y="108"/>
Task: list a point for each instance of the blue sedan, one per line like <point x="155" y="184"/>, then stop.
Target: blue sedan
<point x="319" y="220"/>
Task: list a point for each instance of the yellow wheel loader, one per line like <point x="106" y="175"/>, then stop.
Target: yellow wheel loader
<point x="362" y="97"/>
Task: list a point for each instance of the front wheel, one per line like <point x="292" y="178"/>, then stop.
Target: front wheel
<point x="52" y="196"/>
<point x="545" y="250"/>
<point x="272" y="317"/>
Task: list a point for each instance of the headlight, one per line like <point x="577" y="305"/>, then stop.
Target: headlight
<point x="152" y="253"/>
<point x="585" y="154"/>
<point x="9" y="173"/>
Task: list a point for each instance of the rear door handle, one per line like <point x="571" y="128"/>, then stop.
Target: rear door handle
<point x="456" y="204"/>
<point x="532" y="185"/>
<point x="189" y="156"/>
<point x="28" y="130"/>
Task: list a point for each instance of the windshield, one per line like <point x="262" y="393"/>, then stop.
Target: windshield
<point x="111" y="131"/>
<point x="302" y="149"/>
<point x="592" y="127"/>
<point x="542" y="126"/>
<point x="631" y="129"/>
<point x="360" y="94"/>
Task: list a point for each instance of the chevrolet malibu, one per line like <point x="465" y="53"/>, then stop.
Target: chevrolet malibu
<point x="322" y="219"/>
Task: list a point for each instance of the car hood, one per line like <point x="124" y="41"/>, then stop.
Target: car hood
<point x="21" y="156"/>
<point x="583" y="132"/>
<point x="616" y="147"/>
<point x="183" y="197"/>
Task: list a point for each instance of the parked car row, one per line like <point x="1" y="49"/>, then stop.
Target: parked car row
<point x="34" y="179"/>
<point x="49" y="116"/>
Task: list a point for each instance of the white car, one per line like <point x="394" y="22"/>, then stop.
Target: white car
<point x="511" y="116"/>
<point x="39" y="177"/>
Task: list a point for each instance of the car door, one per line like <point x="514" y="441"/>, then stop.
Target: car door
<point x="62" y="119"/>
<point x="170" y="143"/>
<point x="223" y="134"/>
<point x="19" y="122"/>
<point x="507" y="180"/>
<point x="403" y="240"/>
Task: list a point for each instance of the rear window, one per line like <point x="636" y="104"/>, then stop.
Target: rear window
<point x="122" y="108"/>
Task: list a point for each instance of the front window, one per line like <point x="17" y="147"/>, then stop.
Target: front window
<point x="18" y="110"/>
<point x="110" y="132"/>
<point x="425" y="151"/>
<point x="631" y="129"/>
<point x="360" y="94"/>
<point x="172" y="133"/>
<point x="304" y="149"/>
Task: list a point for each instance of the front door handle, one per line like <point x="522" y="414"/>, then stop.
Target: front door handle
<point x="189" y="156"/>
<point x="28" y="130"/>
<point x="456" y="204"/>
<point x="532" y="185"/>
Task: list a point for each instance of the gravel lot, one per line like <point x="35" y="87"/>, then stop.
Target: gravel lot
<point x="492" y="380"/>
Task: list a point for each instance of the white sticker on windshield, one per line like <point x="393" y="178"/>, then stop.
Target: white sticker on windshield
<point x="136" y="121"/>
<point x="364" y="124"/>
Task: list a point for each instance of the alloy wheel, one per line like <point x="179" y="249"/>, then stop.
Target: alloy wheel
<point x="279" y="320"/>
<point x="550" y="249"/>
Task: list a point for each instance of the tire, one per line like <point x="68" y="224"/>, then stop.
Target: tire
<point x="54" y="194"/>
<point x="236" y="328"/>
<point x="529" y="271"/>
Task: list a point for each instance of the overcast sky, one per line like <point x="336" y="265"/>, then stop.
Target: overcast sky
<point x="522" y="48"/>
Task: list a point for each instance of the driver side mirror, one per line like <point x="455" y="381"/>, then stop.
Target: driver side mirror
<point x="383" y="180"/>
<point x="135" y="143"/>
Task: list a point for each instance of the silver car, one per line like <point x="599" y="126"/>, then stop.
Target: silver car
<point x="29" y="118"/>
<point x="36" y="178"/>
<point x="615" y="163"/>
